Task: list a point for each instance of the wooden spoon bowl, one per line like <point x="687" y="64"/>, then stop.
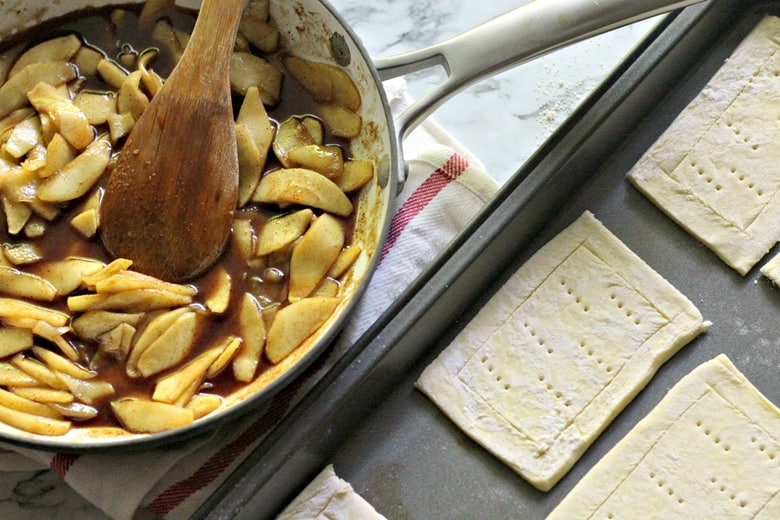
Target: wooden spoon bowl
<point x="172" y="191"/>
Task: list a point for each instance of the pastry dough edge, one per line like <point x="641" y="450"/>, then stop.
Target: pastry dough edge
<point x="649" y="174"/>
<point x="327" y="490"/>
<point x="602" y="479"/>
<point x="772" y="269"/>
<point x="441" y="384"/>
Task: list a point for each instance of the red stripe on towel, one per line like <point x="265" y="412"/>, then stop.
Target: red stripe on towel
<point x="62" y="462"/>
<point x="177" y="493"/>
<point x="422" y="196"/>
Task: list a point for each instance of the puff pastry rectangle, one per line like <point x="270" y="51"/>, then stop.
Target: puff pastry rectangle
<point x="710" y="449"/>
<point x="772" y="269"/>
<point x="563" y="346"/>
<point x="716" y="169"/>
<point x="329" y="497"/>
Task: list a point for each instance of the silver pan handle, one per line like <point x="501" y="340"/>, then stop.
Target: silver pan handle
<point x="510" y="39"/>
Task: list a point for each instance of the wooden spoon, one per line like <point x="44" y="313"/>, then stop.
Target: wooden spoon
<point x="171" y="194"/>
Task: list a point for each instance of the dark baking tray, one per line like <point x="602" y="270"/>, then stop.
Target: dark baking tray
<point x="389" y="441"/>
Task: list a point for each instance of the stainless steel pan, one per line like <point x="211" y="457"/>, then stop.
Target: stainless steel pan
<point x="313" y="29"/>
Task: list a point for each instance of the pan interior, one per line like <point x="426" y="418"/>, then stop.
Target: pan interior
<point x="309" y="29"/>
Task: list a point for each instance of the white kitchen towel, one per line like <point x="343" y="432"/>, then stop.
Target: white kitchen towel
<point x="446" y="187"/>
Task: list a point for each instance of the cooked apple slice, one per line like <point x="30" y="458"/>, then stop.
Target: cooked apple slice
<point x="250" y="164"/>
<point x="13" y="93"/>
<point x="136" y="300"/>
<point x="14" y="340"/>
<point x="254" y="116"/>
<point x="325" y="159"/>
<point x="35" y="159"/>
<point x="48" y="211"/>
<point x="259" y="9"/>
<point x="151" y="10"/>
<point x="38" y="371"/>
<point x="169" y="37"/>
<point x="75" y="411"/>
<point x="26" y="285"/>
<point x="22" y="253"/>
<point x="346" y="258"/>
<point x="253" y="335"/>
<point x="86" y="222"/>
<point x="22" y="404"/>
<point x="13" y="177"/>
<point x="13" y="308"/>
<point x="116" y="343"/>
<point x="111" y="73"/>
<point x="24" y="137"/>
<point x="35" y="227"/>
<point x="78" y="176"/>
<point x="44" y="395"/>
<point x="165" y="341"/>
<point x="243" y="238"/>
<point x="228" y="349"/>
<point x="303" y="187"/>
<point x="12" y="376"/>
<point x="17" y="214"/>
<point x="93" y="200"/>
<point x="67" y="275"/>
<point x="170" y="387"/>
<point x="296" y="322"/>
<point x="132" y="280"/>
<point x="328" y="288"/>
<point x="7" y="123"/>
<point x="92" y="324"/>
<point x="204" y="404"/>
<point x="313" y="256"/>
<point x="152" y="329"/>
<point x="326" y="83"/>
<point x="33" y="423"/>
<point x="171" y="347"/>
<point x="150" y="80"/>
<point x="89" y="391"/>
<point x="56" y="335"/>
<point x="115" y="266"/>
<point x="356" y="174"/>
<point x="87" y="60"/>
<point x="248" y="70"/>
<point x="58" y="154"/>
<point x="342" y="121"/>
<point x="293" y="133"/>
<point x="279" y="232"/>
<point x="254" y="134"/>
<point x="315" y="128"/>
<point x="131" y="99"/>
<point x="56" y="49"/>
<point x="218" y="298"/>
<point x="188" y="393"/>
<point x="119" y="125"/>
<point x="142" y="416"/>
<point x="65" y="116"/>
<point x="98" y="107"/>
<point x="259" y="33"/>
<point x="61" y="364"/>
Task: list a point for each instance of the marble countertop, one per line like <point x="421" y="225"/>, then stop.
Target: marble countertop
<point x="502" y="120"/>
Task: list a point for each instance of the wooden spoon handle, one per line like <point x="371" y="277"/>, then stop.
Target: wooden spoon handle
<point x="206" y="54"/>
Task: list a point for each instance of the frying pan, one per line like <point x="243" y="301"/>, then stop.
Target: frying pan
<point x="313" y="29"/>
